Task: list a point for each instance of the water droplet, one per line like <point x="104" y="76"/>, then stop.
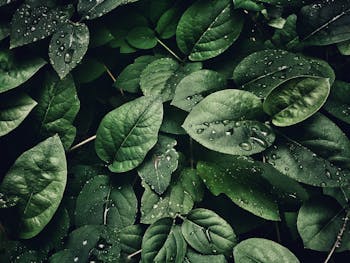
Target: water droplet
<point x="68" y="56"/>
<point x="199" y="131"/>
<point x="246" y="146"/>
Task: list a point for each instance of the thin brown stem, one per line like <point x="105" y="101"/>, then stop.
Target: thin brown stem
<point x="169" y="50"/>
<point x="82" y="143"/>
<point x="114" y="79"/>
<point x="134" y="254"/>
<point x="337" y="242"/>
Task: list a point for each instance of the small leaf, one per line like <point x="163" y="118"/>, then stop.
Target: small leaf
<point x="38" y="178"/>
<point x="344" y="48"/>
<point x="296" y="100"/>
<point x="241" y="182"/>
<point x="208" y="28"/>
<point x="13" y="111"/>
<point x="319" y="222"/>
<point x="167" y="23"/>
<point x="161" y="77"/>
<point x="324" y="23"/>
<point x="15" y="71"/>
<point x="163" y="242"/>
<point x="262" y="250"/>
<point x="208" y="233"/>
<point x="157" y="169"/>
<point x="97" y="8"/>
<point x="142" y="38"/>
<point x="202" y="82"/>
<point x="103" y="202"/>
<point x="338" y="103"/>
<point x="226" y="121"/>
<point x="58" y="105"/>
<point x="68" y="46"/>
<point x="127" y="133"/>
<point x="129" y="78"/>
<point x="263" y="71"/>
<point x="33" y="22"/>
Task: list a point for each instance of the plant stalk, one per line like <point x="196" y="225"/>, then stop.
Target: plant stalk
<point x="169" y="50"/>
<point x="82" y="143"/>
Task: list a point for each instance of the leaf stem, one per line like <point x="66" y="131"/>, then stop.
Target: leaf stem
<point x="82" y="143"/>
<point x="114" y="79"/>
<point x="134" y="254"/>
<point x="191" y="153"/>
<point x="169" y="50"/>
<point x="337" y="242"/>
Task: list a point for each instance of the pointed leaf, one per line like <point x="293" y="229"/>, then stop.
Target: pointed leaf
<point x="38" y="178"/>
<point x="226" y="121"/>
<point x="208" y="28"/>
<point x="13" y="111"/>
<point x="127" y="133"/>
<point x="68" y="46"/>
<point x="142" y="38"/>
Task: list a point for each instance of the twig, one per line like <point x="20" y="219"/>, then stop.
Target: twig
<point x="337" y="242"/>
<point x="134" y="254"/>
<point x="114" y="79"/>
<point x="82" y="143"/>
<point x="169" y="50"/>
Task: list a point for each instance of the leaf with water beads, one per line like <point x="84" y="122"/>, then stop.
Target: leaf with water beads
<point x="227" y="121"/>
<point x="208" y="233"/>
<point x="31" y="23"/>
<point x="163" y="242"/>
<point x="68" y="47"/>
<point x="193" y="257"/>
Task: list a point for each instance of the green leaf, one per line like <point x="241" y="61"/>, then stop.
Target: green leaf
<point x="192" y="184"/>
<point x="287" y="37"/>
<point x="33" y="22"/>
<point x="296" y="100"/>
<point x="127" y="133"/>
<point x="338" y="103"/>
<point x="241" y="182"/>
<point x="14" y="71"/>
<point x="193" y="257"/>
<point x="8" y="201"/>
<point x="174" y="200"/>
<point x="68" y="46"/>
<point x="142" y="38"/>
<point x="162" y="161"/>
<point x="58" y="105"/>
<point x="14" y="108"/>
<point x="208" y="233"/>
<point x="89" y="70"/>
<point x="226" y="122"/>
<point x="202" y="82"/>
<point x="131" y="239"/>
<point x="167" y="23"/>
<point x="324" y="23"/>
<point x="262" y="250"/>
<point x="248" y="5"/>
<point x="314" y="152"/>
<point x="319" y="222"/>
<point x="173" y="119"/>
<point x="4" y="30"/>
<point x="344" y="48"/>
<point x="263" y="71"/>
<point x="97" y="8"/>
<point x="161" y="77"/>
<point x="129" y="78"/>
<point x="102" y="201"/>
<point x="163" y="242"/>
<point x="38" y="178"/>
<point x="208" y="28"/>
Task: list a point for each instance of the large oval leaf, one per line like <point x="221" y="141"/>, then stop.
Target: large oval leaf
<point x="68" y="46"/>
<point x="314" y="152"/>
<point x="38" y="178"/>
<point x="324" y="23"/>
<point x="338" y="103"/>
<point x="226" y="121"/>
<point x="127" y="133"/>
<point x="13" y="110"/>
<point x="58" y="105"/>
<point x="163" y="242"/>
<point x="14" y="71"/>
<point x="262" y="251"/>
<point x="241" y="182"/>
<point x="208" y="28"/>
<point x="193" y="257"/>
<point x="296" y="100"/>
<point x="35" y="21"/>
<point x="319" y="223"/>
<point x="194" y="87"/>
<point x="104" y="202"/>
<point x="208" y="233"/>
<point x="263" y="71"/>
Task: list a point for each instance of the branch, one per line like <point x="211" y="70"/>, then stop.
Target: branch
<point x="169" y="50"/>
<point x="114" y="79"/>
<point x="82" y="143"/>
<point x="134" y="254"/>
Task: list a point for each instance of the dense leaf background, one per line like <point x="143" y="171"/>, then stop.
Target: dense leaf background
<point x="174" y="131"/>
